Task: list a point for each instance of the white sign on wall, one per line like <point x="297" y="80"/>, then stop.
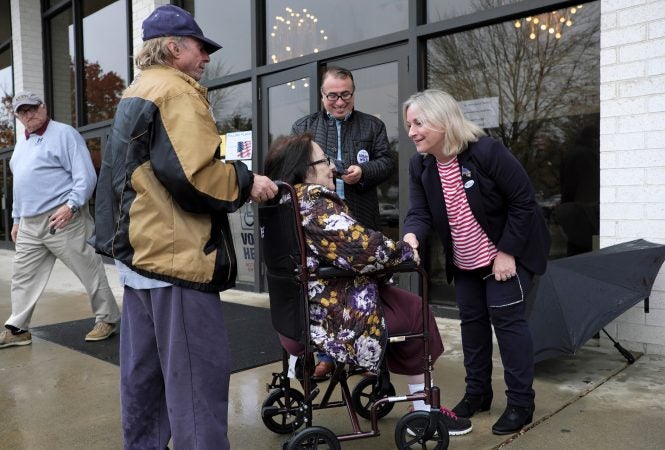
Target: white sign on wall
<point x="484" y="112"/>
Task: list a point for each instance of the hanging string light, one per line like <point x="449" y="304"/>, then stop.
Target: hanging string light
<point x="553" y="22"/>
<point x="294" y="34"/>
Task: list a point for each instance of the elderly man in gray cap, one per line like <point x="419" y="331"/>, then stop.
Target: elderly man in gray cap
<point x="162" y="204"/>
<point x="53" y="181"/>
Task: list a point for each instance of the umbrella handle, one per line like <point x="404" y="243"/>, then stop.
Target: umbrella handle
<point x="626" y="354"/>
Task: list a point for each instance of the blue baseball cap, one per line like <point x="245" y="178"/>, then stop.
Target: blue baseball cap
<point x="169" y="20"/>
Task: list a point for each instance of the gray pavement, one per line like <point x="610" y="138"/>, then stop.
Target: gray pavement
<point x="52" y="397"/>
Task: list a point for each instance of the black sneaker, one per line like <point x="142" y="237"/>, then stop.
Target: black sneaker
<point x="457" y="426"/>
<point x="513" y="419"/>
<point x="471" y="404"/>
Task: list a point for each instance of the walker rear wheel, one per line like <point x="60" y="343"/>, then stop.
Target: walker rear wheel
<point x="279" y="415"/>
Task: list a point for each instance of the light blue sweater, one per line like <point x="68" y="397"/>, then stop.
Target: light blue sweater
<point x="51" y="170"/>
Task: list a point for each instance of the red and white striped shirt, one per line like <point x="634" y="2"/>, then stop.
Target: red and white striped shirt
<point x="471" y="246"/>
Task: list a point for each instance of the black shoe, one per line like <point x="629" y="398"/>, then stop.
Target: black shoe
<point x="472" y="404"/>
<point x="513" y="419"/>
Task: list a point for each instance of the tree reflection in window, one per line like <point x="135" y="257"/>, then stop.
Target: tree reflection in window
<point x="103" y="92"/>
<point x="546" y="87"/>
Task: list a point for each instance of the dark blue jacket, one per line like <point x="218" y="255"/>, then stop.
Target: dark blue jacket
<point x="500" y="196"/>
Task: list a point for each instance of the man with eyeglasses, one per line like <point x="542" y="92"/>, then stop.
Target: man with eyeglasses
<point x="359" y="143"/>
<point x="53" y="180"/>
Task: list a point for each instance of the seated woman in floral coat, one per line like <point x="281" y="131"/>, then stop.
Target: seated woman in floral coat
<point x="347" y="319"/>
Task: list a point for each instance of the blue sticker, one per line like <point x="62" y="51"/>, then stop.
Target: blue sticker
<point x="363" y="156"/>
<point x="466" y="172"/>
<point x="468" y="184"/>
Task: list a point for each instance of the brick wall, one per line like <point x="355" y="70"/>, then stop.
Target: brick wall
<point x="632" y="149"/>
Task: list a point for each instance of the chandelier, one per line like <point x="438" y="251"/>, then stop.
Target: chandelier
<point x="549" y="23"/>
<point x="295" y="34"/>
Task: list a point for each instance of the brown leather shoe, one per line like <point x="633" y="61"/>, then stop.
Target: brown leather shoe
<point x="323" y="370"/>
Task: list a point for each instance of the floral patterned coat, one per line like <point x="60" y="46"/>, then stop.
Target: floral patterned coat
<point x="345" y="314"/>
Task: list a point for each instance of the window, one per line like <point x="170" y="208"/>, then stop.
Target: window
<point x="6" y="77"/>
<point x="534" y="83"/>
<point x="232" y="109"/>
<point x="449" y="9"/>
<point x="102" y="58"/>
<point x="61" y="42"/>
<point x="301" y="27"/>
<point x="105" y="62"/>
<point x="228" y="25"/>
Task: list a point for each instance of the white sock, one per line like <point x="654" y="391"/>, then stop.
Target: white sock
<point x="418" y="405"/>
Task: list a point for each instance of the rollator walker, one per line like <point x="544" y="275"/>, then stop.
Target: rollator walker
<point x="293" y="395"/>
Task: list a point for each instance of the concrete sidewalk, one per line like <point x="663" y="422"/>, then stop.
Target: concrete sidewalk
<point x="52" y="397"/>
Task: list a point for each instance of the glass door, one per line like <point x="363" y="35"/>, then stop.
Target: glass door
<point x="284" y="97"/>
<point x="379" y="93"/>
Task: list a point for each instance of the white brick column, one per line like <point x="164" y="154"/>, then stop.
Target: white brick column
<point x="27" y="48"/>
<point x="632" y="149"/>
<point x="140" y="10"/>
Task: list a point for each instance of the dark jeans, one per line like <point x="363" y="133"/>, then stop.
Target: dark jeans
<point x="484" y="302"/>
<point x="174" y="369"/>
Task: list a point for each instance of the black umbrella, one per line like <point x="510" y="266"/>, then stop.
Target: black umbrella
<point x="577" y="296"/>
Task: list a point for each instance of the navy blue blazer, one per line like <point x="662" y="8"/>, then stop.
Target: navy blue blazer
<point x="500" y="196"/>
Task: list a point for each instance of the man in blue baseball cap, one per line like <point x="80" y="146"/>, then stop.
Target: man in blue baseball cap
<point x="162" y="202"/>
<point x="169" y="20"/>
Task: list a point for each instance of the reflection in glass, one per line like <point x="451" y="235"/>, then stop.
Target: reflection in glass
<point x="536" y="89"/>
<point x="286" y="103"/>
<point x="6" y="197"/>
<point x="105" y="60"/>
<point x="95" y="147"/>
<point x="376" y="94"/>
<point x="6" y="95"/>
<point x="448" y="9"/>
<point x="229" y="24"/>
<point x="61" y="42"/>
<point x="232" y="108"/>
<point x="5" y="22"/>
<point x="301" y="27"/>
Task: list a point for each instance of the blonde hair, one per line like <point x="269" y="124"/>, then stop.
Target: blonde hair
<point x="439" y="111"/>
<point x="156" y="52"/>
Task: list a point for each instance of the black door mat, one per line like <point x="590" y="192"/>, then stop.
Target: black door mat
<point x="252" y="340"/>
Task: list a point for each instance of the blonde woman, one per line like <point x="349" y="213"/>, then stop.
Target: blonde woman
<point x="471" y="190"/>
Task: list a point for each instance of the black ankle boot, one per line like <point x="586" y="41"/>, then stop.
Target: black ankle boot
<point x="513" y="419"/>
<point x="471" y="404"/>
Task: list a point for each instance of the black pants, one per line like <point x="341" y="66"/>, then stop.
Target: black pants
<point x="484" y="302"/>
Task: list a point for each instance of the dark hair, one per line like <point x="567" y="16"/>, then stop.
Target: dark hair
<point x="289" y="157"/>
<point x="338" y="72"/>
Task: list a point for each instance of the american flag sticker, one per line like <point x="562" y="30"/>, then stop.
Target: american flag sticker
<point x="244" y="149"/>
<point x="239" y="145"/>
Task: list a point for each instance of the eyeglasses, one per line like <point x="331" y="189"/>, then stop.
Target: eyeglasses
<point x="324" y="160"/>
<point x="30" y="109"/>
<point x="333" y="96"/>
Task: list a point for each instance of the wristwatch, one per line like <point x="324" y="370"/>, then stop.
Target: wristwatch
<point x="73" y="208"/>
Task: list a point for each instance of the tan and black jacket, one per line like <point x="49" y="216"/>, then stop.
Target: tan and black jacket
<point x="163" y="193"/>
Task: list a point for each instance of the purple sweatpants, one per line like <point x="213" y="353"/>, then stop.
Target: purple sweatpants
<point x="174" y="369"/>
